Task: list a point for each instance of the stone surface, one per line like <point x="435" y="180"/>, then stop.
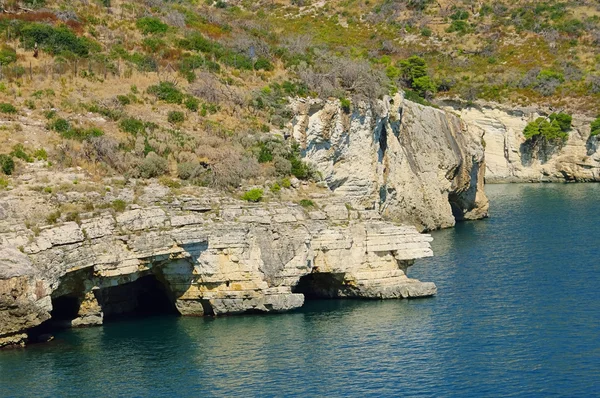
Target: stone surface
<point x="509" y="160"/>
<point x="413" y="164"/>
<point x="234" y="258"/>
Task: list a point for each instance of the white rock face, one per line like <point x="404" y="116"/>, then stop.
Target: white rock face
<point x="413" y="164"/>
<point x="224" y="257"/>
<point x="508" y="160"/>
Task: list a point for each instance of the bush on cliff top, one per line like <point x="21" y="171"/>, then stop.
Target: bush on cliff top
<point x="254" y="195"/>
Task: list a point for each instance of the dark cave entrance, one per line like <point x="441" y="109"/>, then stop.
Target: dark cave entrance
<point x="143" y="297"/>
<point x="457" y="210"/>
<point x="321" y="286"/>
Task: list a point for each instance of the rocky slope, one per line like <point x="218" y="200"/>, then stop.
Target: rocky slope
<point x="412" y="163"/>
<point x="509" y="160"/>
<point x="195" y="255"/>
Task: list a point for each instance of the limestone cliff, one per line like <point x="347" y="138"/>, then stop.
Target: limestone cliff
<point x="195" y="254"/>
<point x="509" y="160"/>
<point x="412" y="163"/>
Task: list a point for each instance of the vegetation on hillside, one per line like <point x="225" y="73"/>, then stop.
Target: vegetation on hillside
<point x="198" y="90"/>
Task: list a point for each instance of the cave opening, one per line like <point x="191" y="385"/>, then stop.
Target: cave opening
<point x="143" y="297"/>
<point x="320" y="285"/>
<point x="457" y="211"/>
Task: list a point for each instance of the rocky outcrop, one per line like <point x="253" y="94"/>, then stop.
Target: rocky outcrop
<point x="411" y="163"/>
<point x="509" y="159"/>
<point x="199" y="255"/>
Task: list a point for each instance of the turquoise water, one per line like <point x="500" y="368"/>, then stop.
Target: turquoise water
<point x="517" y="314"/>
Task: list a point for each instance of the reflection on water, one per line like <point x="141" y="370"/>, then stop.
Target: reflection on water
<point x="517" y="314"/>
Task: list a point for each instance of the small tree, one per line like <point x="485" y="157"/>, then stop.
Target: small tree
<point x="253" y="195"/>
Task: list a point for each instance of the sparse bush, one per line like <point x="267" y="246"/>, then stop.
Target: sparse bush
<point x="7" y="108"/>
<point x="253" y="195"/>
<point x="40" y="154"/>
<point x="263" y="64"/>
<point x="192" y="103"/>
<point x="53" y="217"/>
<point x="151" y="25"/>
<point x="307" y="203"/>
<point x="19" y="153"/>
<point x="345" y="104"/>
<point x="8" y="55"/>
<point x="123" y="100"/>
<point x="153" y="166"/>
<point x="286" y="183"/>
<point x="275" y="187"/>
<point x="167" y="91"/>
<point x="119" y="205"/>
<point x="595" y="127"/>
<point x="176" y="117"/>
<point x="7" y="164"/>
<point x="132" y="126"/>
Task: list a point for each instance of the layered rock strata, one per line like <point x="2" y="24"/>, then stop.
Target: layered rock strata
<point x="202" y="256"/>
<point x="412" y="163"/>
<point x="510" y="159"/>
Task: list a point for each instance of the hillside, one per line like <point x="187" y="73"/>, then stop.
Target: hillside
<point x="197" y="92"/>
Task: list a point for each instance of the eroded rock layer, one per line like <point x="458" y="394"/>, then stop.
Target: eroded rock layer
<point x="198" y="256"/>
<point x="412" y="163"/>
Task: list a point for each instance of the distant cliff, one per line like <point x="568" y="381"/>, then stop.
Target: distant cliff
<point x="508" y="159"/>
<point x="412" y="163"/>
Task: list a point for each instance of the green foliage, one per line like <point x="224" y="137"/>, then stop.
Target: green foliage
<point x="460" y="15"/>
<point x="53" y="217"/>
<point x="7" y="108"/>
<point x="8" y="55"/>
<point x="595" y="127"/>
<point x="151" y="25"/>
<point x="424" y="86"/>
<point x="123" y="100"/>
<point x="253" y="195"/>
<point x="192" y="103"/>
<point x="426" y="32"/>
<point x="275" y="187"/>
<point x="263" y="64"/>
<point x="153" y="166"/>
<point x="3" y="183"/>
<point x="176" y="117"/>
<point x="7" y="164"/>
<point x="56" y="40"/>
<point x="563" y="119"/>
<point x="545" y="131"/>
<point x="299" y="168"/>
<point x="413" y="68"/>
<point x="132" y="126"/>
<point x="265" y="154"/>
<point x="40" y="154"/>
<point x="549" y="74"/>
<point x="60" y="125"/>
<point x="19" y="153"/>
<point x="167" y="91"/>
<point x="286" y="183"/>
<point x="307" y="203"/>
<point x="346" y="104"/>
<point x="119" y="205"/>
<point x="459" y="26"/>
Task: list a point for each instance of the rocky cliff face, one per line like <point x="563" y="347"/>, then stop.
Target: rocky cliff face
<point x="509" y="160"/>
<point x="196" y="254"/>
<point x="413" y="164"/>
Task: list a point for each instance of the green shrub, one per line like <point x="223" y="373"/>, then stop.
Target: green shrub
<point x="50" y="114"/>
<point x="595" y="127"/>
<point x="192" y="103"/>
<point x="346" y="104"/>
<point x="167" y="91"/>
<point x="263" y="64"/>
<point x="426" y="32"/>
<point x="123" y="100"/>
<point x="275" y="187"/>
<point x="153" y="166"/>
<point x="7" y="164"/>
<point x="175" y="117"/>
<point x="53" y="217"/>
<point x="40" y="154"/>
<point x="56" y="40"/>
<point x="7" y="108"/>
<point x="60" y="125"/>
<point x="424" y="86"/>
<point x="19" y="153"/>
<point x="132" y="126"/>
<point x="8" y="55"/>
<point x="412" y="68"/>
<point x="151" y="25"/>
<point x="545" y="131"/>
<point x="253" y="195"/>
<point x="3" y="183"/>
<point x="564" y="120"/>
<point x="286" y="183"/>
<point x="306" y="203"/>
<point x="459" y="26"/>
<point x="119" y="205"/>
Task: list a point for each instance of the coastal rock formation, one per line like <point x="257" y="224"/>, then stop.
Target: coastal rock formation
<point x="412" y="163"/>
<point x="509" y="160"/>
<point x="197" y="255"/>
